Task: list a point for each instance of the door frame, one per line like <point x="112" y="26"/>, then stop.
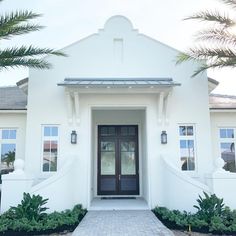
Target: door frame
<point x="118" y="139"/>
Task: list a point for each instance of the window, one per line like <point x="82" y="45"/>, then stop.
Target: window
<point x="187" y="147"/>
<point x="227" y="148"/>
<point x="50" y="148"/>
<point x="7" y="150"/>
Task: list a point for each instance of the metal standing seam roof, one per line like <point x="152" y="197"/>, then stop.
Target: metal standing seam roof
<point x="138" y="82"/>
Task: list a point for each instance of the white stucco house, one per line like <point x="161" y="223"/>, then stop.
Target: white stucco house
<point x="117" y="125"/>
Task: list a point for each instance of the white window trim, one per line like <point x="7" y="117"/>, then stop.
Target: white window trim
<point x="9" y="141"/>
<point x="191" y="172"/>
<point x="49" y="138"/>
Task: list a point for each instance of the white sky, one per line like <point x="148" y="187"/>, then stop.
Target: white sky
<point x="70" y="20"/>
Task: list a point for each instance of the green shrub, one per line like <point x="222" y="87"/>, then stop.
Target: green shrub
<point x="212" y="217"/>
<point x="17" y="222"/>
<point x="217" y="225"/>
<point x="209" y="207"/>
<point x="30" y="208"/>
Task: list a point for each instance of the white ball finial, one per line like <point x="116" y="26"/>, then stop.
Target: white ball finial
<point x="219" y="164"/>
<point x="19" y="165"/>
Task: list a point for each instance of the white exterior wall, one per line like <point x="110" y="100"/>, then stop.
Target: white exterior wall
<point x="140" y="57"/>
<point x="16" y="120"/>
<point x="222" y="182"/>
<point x="220" y="119"/>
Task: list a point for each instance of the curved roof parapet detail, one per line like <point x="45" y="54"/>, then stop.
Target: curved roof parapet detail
<point x="118" y="23"/>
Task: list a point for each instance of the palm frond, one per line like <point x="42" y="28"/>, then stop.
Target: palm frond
<point x="218" y="64"/>
<point x="17" y="17"/>
<point x="24" y="62"/>
<point x="183" y="57"/>
<point x="30" y="51"/>
<point x="7" y="32"/>
<point x="231" y="3"/>
<point x="218" y="36"/>
<point x="214" y="17"/>
<point x="203" y="53"/>
<point x="15" y="23"/>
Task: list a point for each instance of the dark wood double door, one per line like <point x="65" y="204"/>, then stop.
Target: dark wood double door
<point x="118" y="167"/>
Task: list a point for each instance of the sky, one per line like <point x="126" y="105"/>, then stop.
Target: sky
<point x="67" y="21"/>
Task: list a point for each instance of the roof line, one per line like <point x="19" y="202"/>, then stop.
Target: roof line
<point x="222" y="95"/>
<point x="117" y="79"/>
<point x="213" y="81"/>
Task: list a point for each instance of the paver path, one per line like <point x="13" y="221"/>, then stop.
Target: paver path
<point x="122" y="223"/>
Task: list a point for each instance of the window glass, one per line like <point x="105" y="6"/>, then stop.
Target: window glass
<point x="8" y="134"/>
<point x="227" y="148"/>
<point x="54" y="131"/>
<point x="226" y="133"/>
<point x="128" y="158"/>
<point x="108" y="131"/>
<point x="126" y="131"/>
<point x="189" y="130"/>
<point x="7" y="150"/>
<point x="50" y="148"/>
<point x="187" y="147"/>
<point x="182" y="130"/>
<point x="186" y="130"/>
<point x="107" y="158"/>
<point x="46" y="131"/>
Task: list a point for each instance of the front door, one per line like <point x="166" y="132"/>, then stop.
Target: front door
<point x="118" y="169"/>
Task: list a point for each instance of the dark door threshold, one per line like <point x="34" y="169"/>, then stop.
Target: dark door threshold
<point x="110" y="198"/>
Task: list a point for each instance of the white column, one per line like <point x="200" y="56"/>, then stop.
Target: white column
<point x="69" y="107"/>
<point x="76" y="99"/>
<point x="167" y="108"/>
<point x="160" y="107"/>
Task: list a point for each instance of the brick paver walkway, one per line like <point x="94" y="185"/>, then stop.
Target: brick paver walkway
<point x="122" y="223"/>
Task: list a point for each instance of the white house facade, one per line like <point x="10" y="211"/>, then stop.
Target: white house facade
<point x="117" y="125"/>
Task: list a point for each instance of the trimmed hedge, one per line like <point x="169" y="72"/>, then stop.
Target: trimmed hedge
<point x="51" y="223"/>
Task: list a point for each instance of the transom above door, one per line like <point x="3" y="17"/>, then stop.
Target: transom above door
<point x="118" y="167"/>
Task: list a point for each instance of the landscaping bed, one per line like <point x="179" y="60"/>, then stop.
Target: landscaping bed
<point x="30" y="218"/>
<point x="212" y="217"/>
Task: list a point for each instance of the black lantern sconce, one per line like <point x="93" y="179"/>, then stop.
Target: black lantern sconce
<point x="163" y="137"/>
<point x="73" y="137"/>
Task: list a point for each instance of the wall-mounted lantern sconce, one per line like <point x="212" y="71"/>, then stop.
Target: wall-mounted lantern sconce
<point x="73" y="137"/>
<point x="163" y="137"/>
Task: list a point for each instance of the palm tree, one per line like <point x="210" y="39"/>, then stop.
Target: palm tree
<point x="17" y="23"/>
<point x="216" y="44"/>
<point x="9" y="158"/>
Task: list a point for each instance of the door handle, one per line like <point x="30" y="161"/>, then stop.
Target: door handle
<point x="119" y="177"/>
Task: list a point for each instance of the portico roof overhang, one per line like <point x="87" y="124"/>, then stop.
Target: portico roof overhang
<point x="142" y="85"/>
<point x="76" y="86"/>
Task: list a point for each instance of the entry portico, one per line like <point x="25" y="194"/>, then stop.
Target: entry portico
<point x="119" y="159"/>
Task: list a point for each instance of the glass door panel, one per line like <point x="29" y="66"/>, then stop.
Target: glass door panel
<point x="108" y="163"/>
<point x="128" y="159"/>
<point x="108" y="158"/>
